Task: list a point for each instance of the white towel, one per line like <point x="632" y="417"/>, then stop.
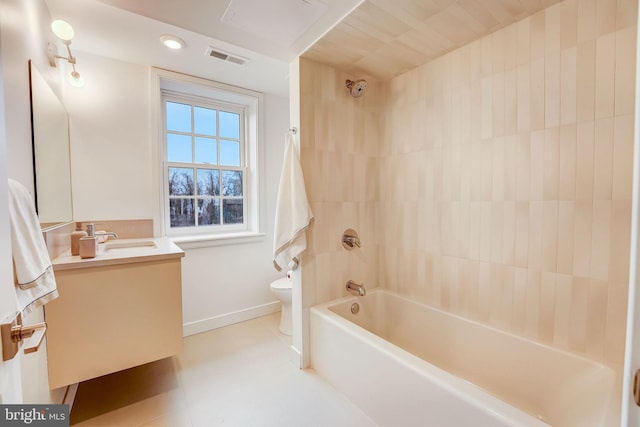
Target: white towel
<point x="293" y="214"/>
<point x="35" y="284"/>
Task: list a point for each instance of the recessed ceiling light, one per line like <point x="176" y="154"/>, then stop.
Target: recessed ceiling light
<point x="172" y="42"/>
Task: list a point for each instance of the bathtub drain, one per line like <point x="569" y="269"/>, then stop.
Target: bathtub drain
<point x="355" y="308"/>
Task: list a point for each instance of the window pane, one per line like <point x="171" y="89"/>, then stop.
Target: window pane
<point x="182" y="213"/>
<point x="208" y="182"/>
<point x="179" y="148"/>
<point x="181" y="182"/>
<point x="229" y="125"/>
<point x="232" y="211"/>
<point x="178" y="117"/>
<point x="204" y="121"/>
<point x="231" y="183"/>
<point x="206" y="151"/>
<point x="229" y="153"/>
<point x="208" y="211"/>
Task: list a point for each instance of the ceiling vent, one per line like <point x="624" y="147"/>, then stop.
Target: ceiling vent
<point x="225" y="56"/>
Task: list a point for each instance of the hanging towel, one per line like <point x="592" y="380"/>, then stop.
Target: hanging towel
<point x="293" y="214"/>
<point x="35" y="284"/>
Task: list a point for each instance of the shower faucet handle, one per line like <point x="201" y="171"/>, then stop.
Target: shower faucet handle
<point x="350" y="239"/>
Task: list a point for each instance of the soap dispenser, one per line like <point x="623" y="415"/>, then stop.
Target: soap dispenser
<point x="75" y="239"/>
<point x="89" y="244"/>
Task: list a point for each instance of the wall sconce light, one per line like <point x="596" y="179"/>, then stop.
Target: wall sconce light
<point x="64" y="32"/>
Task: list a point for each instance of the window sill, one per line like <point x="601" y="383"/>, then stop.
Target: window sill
<point x="210" y="240"/>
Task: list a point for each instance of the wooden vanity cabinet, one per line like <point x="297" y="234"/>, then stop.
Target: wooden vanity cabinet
<point x="113" y="317"/>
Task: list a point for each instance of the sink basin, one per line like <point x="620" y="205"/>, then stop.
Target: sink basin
<point x="136" y="244"/>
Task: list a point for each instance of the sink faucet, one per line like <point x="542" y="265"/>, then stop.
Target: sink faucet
<point x="91" y="232"/>
<point x="356" y="289"/>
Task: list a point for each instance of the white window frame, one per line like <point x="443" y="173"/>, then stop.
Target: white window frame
<point x="175" y="86"/>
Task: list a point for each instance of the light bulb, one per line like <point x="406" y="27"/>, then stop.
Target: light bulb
<point x="172" y="42"/>
<point x="76" y="80"/>
<point x="62" y="30"/>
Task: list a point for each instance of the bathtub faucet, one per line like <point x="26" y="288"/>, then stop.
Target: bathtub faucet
<point x="356" y="289"/>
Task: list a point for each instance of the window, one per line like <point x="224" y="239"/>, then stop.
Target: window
<point x="209" y="150"/>
<point x="205" y="163"/>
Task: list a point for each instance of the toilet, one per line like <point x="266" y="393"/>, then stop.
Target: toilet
<point x="281" y="288"/>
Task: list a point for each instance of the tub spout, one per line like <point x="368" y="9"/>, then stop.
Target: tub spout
<point x="356" y="289"/>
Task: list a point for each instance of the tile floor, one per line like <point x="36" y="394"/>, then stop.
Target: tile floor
<point x="240" y="376"/>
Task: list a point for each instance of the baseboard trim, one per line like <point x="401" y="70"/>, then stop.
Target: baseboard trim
<point x="227" y="319"/>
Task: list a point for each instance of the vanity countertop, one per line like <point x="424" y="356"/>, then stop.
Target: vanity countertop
<point x="121" y="251"/>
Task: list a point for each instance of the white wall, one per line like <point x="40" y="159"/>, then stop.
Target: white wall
<point x="114" y="174"/>
<point x="24" y="27"/>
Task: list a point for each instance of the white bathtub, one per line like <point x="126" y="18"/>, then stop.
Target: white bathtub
<point x="408" y="364"/>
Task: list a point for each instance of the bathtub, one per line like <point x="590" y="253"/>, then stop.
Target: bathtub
<point x="409" y="364"/>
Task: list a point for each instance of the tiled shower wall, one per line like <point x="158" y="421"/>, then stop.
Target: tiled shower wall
<point x="506" y="175"/>
<point x="339" y="145"/>
<point x="494" y="182"/>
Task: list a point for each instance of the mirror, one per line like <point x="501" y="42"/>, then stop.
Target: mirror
<point x="51" y="157"/>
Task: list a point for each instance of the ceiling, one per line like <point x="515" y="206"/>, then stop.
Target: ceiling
<point x="375" y="38"/>
<point x="129" y="30"/>
<point x="384" y="38"/>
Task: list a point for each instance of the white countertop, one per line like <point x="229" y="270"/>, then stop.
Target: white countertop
<point x="121" y="251"/>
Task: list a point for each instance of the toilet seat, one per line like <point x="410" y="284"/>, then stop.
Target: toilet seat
<point x="282" y="283"/>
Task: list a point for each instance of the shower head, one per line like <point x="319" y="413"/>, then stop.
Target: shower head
<point x="357" y="88"/>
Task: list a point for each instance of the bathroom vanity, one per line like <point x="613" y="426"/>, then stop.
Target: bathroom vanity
<point x="118" y="310"/>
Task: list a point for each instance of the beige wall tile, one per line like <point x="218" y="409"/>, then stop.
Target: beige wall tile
<point x="550" y="236"/>
<point x="620" y="241"/>
<point x="485" y="231"/>
<point x="568" y="23"/>
<point x="605" y="75"/>
<point x="585" y="160"/>
<point x="562" y="315"/>
<point x="627" y="14"/>
<point x="538" y="35"/>
<point x="597" y="318"/>
<point x="547" y="306"/>
<point x="622" y="157"/>
<point x="524" y="41"/>
<point x="524" y="98"/>
<point x="532" y="311"/>
<point x="511" y="101"/>
<point x="586" y="20"/>
<point x="523" y="163"/>
<point x="603" y="163"/>
<point x="551" y="164"/>
<point x="568" y="85"/>
<point x="582" y="237"/>
<point x="519" y="314"/>
<point x="586" y="80"/>
<point x="498" y="104"/>
<point x="552" y="28"/>
<point x="601" y="239"/>
<point x="537" y="169"/>
<point x="625" y="71"/>
<point x="566" y="238"/>
<point x="484" y="291"/>
<point x="605" y="16"/>
<point x="497" y="231"/>
<point x="536" y="222"/>
<point x="509" y="233"/>
<point x="567" y="162"/>
<point x="579" y="314"/>
<point x="552" y="90"/>
<point x="616" y="324"/>
<point x="537" y="94"/>
<point x="521" y="234"/>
